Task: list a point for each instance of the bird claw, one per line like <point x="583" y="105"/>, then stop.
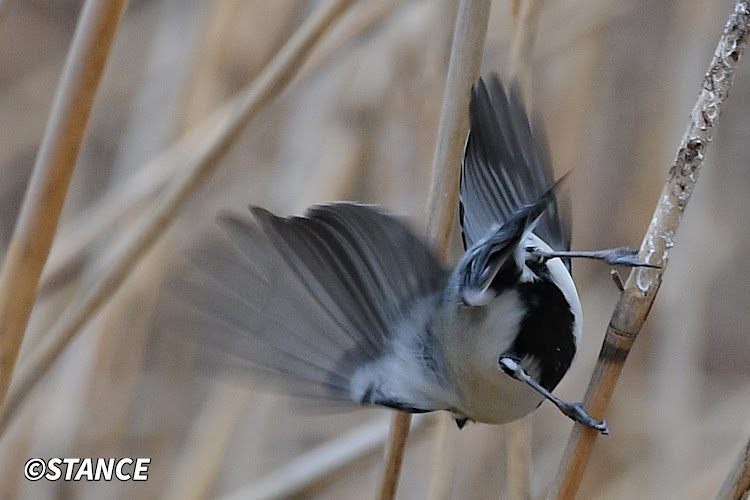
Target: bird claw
<point x="512" y="366"/>
<point x="576" y="412"/>
<point x="625" y="256"/>
<point x="622" y="256"/>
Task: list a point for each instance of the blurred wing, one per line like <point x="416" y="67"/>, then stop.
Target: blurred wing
<point x="303" y="301"/>
<point x="505" y="168"/>
<point x="487" y="259"/>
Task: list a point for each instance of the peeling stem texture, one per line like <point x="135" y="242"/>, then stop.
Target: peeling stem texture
<point x="463" y="71"/>
<point x="53" y="169"/>
<point x="274" y="78"/>
<point x="643" y="283"/>
<point x="736" y="486"/>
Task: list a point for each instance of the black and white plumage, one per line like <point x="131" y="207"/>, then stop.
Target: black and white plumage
<point x="347" y="304"/>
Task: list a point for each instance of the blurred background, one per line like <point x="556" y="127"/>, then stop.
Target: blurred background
<point x="614" y="83"/>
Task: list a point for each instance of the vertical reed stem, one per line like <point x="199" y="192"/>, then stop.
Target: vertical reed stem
<point x="274" y="78"/>
<point x="463" y="70"/>
<point x="736" y="486"/>
<point x="53" y="169"/>
<point x="643" y="284"/>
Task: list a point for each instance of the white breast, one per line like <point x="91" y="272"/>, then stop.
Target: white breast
<point x="484" y="393"/>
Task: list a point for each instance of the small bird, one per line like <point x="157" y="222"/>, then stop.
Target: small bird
<point x="347" y="305"/>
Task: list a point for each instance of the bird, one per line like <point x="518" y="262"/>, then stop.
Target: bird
<point x="348" y="306"/>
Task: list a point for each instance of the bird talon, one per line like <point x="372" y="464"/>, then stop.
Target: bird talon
<point x="626" y="256"/>
<point x="576" y="412"/>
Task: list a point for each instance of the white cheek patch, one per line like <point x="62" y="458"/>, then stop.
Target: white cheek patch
<point x="564" y="281"/>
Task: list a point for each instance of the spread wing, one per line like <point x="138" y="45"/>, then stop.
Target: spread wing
<point x="302" y="302"/>
<point x="506" y="168"/>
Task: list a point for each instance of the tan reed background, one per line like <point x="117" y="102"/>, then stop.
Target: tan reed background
<point x="614" y="83"/>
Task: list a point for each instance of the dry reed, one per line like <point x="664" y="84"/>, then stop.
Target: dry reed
<point x="56" y="159"/>
<point x="599" y="78"/>
<point x="463" y="70"/>
<point x="269" y="83"/>
<point x="643" y="284"/>
<point x="139" y="189"/>
<point x="519" y="433"/>
<point x="736" y="486"/>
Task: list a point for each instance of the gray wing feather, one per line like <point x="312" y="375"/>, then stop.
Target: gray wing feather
<point x="506" y="168"/>
<point x="301" y="302"/>
<point x="485" y="260"/>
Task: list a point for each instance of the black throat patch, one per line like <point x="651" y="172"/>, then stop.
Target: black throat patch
<point x="546" y="331"/>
